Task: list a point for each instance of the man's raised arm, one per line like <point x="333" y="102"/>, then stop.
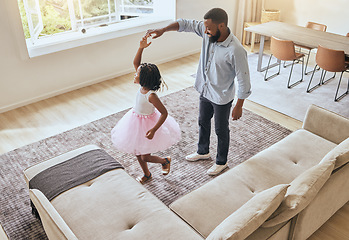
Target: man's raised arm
<point x="158" y="32"/>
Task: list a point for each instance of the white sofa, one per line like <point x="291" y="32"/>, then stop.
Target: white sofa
<point x="284" y="192"/>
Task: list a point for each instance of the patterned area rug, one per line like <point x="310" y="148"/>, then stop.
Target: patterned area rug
<point x="249" y="136"/>
<point x="294" y="102"/>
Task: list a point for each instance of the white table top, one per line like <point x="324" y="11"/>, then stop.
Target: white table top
<point x="302" y="35"/>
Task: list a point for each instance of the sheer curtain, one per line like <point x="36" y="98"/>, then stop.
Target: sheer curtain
<point x="248" y="11"/>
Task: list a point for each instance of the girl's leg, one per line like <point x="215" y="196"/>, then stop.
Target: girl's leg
<point x="144" y="166"/>
<point x="165" y="162"/>
<point x="154" y="159"/>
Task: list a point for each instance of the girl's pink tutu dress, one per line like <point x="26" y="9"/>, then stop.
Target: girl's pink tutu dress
<point x="129" y="133"/>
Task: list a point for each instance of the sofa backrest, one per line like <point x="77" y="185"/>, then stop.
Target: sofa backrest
<point x="326" y="124"/>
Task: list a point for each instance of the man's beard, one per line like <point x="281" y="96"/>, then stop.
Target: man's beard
<point x="214" y="38"/>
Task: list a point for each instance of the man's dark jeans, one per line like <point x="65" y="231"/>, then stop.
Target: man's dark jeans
<point x="221" y="119"/>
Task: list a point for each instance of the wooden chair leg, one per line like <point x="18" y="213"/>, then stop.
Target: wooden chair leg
<point x="253" y="37"/>
<point x="244" y="37"/>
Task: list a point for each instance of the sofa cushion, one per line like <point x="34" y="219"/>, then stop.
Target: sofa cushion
<point x="301" y="192"/>
<point x="340" y="154"/>
<point x="251" y="215"/>
<point x="116" y="206"/>
<point x="279" y="164"/>
<point x="111" y="206"/>
<point x="284" y="161"/>
<point x="277" y="232"/>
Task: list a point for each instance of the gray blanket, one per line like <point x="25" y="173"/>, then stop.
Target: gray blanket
<point x="73" y="172"/>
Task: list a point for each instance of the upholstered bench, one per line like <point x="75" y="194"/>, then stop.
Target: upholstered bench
<point x="110" y="206"/>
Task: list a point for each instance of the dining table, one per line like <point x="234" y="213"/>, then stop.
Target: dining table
<point x="299" y="35"/>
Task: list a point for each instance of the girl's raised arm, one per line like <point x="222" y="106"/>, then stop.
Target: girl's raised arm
<point x="138" y="58"/>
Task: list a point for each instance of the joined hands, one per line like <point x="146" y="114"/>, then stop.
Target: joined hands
<point x="157" y="32"/>
<point x="144" y="42"/>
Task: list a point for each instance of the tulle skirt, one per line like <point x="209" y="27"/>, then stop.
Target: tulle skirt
<point x="129" y="133"/>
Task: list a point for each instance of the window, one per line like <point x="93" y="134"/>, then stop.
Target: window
<point x="54" y="25"/>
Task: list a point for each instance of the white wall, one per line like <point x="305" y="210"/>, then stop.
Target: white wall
<point x="333" y="13"/>
<point x="26" y="81"/>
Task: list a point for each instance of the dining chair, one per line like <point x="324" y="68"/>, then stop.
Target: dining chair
<point x="284" y="50"/>
<point x="315" y="26"/>
<point x="330" y="60"/>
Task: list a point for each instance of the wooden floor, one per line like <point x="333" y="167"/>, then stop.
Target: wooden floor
<point x="49" y="117"/>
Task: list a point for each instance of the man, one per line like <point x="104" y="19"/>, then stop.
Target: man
<point x="222" y="59"/>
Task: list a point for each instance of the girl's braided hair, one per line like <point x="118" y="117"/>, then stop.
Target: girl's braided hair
<point x="149" y="77"/>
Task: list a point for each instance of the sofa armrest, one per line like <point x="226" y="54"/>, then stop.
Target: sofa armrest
<point x="54" y="225"/>
<point x="331" y="197"/>
<point x="326" y="124"/>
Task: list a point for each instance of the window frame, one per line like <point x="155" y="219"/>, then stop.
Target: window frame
<point x="34" y="29"/>
<point x="72" y="39"/>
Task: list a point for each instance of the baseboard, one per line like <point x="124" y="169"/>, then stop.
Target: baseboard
<point x="87" y="83"/>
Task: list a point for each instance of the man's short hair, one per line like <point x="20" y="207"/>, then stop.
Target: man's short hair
<point x="217" y="15"/>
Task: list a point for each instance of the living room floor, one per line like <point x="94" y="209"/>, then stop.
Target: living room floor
<point x="49" y="117"/>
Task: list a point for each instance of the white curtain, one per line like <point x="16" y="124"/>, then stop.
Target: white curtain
<point x="248" y="11"/>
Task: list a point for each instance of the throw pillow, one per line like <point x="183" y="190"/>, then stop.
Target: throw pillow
<point x="340" y="154"/>
<point x="251" y="215"/>
<point x="301" y="192"/>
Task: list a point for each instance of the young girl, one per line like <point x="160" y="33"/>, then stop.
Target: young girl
<point x="146" y="128"/>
